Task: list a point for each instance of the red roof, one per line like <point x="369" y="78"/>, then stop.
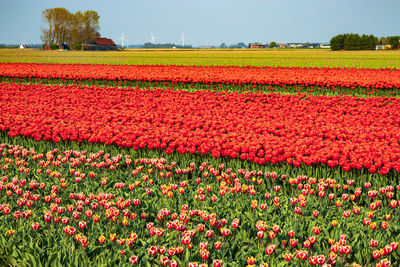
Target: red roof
<point x="105" y="41"/>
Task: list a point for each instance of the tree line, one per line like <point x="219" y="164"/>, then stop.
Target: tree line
<point x="65" y="28"/>
<point x="167" y="45"/>
<point x="351" y="41"/>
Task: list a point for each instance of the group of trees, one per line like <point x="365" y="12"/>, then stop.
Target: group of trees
<point x="74" y="29"/>
<point x="167" y="45"/>
<point x="243" y="45"/>
<point x="351" y="41"/>
<point x="393" y="41"/>
<point x="237" y="45"/>
<point x="273" y="45"/>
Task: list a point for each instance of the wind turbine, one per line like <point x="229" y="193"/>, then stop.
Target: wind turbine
<point x="183" y="40"/>
<point x="153" y="38"/>
<point x="122" y="40"/>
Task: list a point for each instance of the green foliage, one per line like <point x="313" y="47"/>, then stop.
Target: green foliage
<point x="351" y="41"/>
<point x="76" y="47"/>
<point x="383" y="41"/>
<point x="238" y="45"/>
<point x="273" y="44"/>
<point x="394" y="41"/>
<point x="337" y="42"/>
<point x="368" y="42"/>
<point x="53" y="46"/>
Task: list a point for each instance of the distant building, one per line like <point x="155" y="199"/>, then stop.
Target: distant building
<point x="311" y="45"/>
<point x="382" y="47"/>
<point x="102" y="44"/>
<point x="257" y="45"/>
<point x="325" y="46"/>
<point x="282" y="46"/>
<point x="295" y="45"/>
<point x="23" y="46"/>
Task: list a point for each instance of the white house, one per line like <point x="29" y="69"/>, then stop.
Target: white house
<point x="325" y="46"/>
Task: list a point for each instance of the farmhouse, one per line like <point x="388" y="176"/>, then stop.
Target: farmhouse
<point x="325" y="46"/>
<point x="257" y="45"/>
<point x="295" y="45"/>
<point x="311" y="45"/>
<point x="102" y="44"/>
<point x="383" y="47"/>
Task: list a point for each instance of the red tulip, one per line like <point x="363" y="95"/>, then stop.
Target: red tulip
<point x="376" y="254"/>
<point x="384" y="225"/>
<point x="134" y="260"/>
<point x="260" y="234"/>
<point x="321" y="259"/>
<point x="317" y="230"/>
<point x="251" y="261"/>
<point x="152" y="250"/>
<point x="270" y="249"/>
<point x="209" y="233"/>
<point x="373" y="243"/>
<point x="302" y="254"/>
<point x="101" y="239"/>
<point x="164" y="261"/>
<point x="291" y="233"/>
<point x="35" y="226"/>
<point x="288" y="257"/>
<point x="186" y="240"/>
<point x="82" y="225"/>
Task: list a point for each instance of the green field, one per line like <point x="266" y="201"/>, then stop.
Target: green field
<point x="240" y="57"/>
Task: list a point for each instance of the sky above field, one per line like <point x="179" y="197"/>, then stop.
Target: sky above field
<point x="210" y="22"/>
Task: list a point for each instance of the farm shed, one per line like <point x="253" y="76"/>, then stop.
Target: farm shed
<point x="102" y="44"/>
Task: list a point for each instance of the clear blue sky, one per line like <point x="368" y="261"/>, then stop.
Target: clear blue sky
<point x="211" y="21"/>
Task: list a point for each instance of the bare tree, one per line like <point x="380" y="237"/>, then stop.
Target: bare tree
<point x="58" y="21"/>
<point x="64" y="24"/>
<point x="90" y="26"/>
<point x="75" y="33"/>
<point x="66" y="28"/>
<point x="48" y="34"/>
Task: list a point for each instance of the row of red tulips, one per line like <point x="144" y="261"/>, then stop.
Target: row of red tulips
<point x="331" y="77"/>
<point x="337" y="131"/>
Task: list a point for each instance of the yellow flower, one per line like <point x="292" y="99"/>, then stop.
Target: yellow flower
<point x="101" y="239"/>
<point x="113" y="237"/>
<point x="125" y="221"/>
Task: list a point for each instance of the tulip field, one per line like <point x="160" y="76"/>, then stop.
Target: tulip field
<point x="195" y="165"/>
<point x="213" y="57"/>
